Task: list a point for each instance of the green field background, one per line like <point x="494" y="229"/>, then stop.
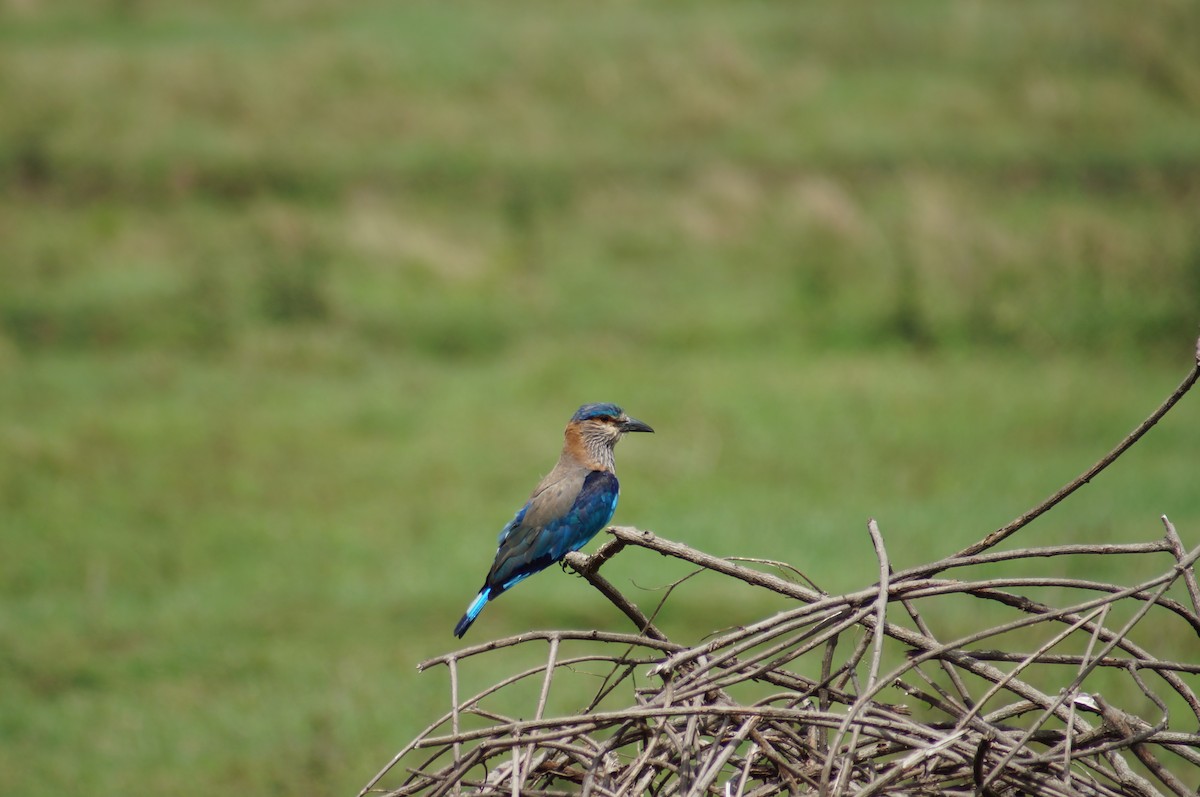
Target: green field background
<point x="296" y="297"/>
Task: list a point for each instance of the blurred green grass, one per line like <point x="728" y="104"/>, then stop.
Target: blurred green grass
<point x="297" y="297"/>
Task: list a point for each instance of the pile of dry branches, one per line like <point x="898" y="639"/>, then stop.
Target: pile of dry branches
<point x="803" y="702"/>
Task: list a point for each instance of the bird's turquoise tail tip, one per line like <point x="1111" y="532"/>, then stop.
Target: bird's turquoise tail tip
<point x="472" y="612"/>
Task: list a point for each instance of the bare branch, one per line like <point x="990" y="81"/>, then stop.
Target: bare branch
<point x="1189" y="574"/>
<point x="1024" y="520"/>
<point x="588" y="567"/>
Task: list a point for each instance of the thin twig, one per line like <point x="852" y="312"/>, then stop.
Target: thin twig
<point x="1108" y="661"/>
<point x="586" y="567"/>
<point x="1189" y="574"/>
<point x="873" y="671"/>
<point x="1025" y="519"/>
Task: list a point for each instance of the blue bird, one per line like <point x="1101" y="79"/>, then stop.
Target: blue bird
<point x="567" y="508"/>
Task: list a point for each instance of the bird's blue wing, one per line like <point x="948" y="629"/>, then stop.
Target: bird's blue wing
<point x="593" y="507"/>
<point x="526" y="550"/>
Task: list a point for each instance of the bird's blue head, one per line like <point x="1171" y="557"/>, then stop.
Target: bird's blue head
<point x="599" y="411"/>
<point x="609" y="418"/>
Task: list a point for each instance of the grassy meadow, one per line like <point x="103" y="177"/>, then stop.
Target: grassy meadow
<point x="295" y="298"/>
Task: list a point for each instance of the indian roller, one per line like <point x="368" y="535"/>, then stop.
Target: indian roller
<point x="566" y="509"/>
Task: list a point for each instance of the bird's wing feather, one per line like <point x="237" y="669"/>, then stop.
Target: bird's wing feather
<point x="512" y="524"/>
<point x="549" y="527"/>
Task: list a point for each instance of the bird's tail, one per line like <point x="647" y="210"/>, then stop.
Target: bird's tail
<point x="472" y="612"/>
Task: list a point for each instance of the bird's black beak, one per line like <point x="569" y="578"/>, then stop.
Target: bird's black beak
<point x="634" y="425"/>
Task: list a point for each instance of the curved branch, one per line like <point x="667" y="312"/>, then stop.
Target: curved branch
<point x="1024" y="520"/>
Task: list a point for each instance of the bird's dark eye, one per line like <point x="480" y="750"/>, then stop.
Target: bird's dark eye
<point x="606" y="419"/>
